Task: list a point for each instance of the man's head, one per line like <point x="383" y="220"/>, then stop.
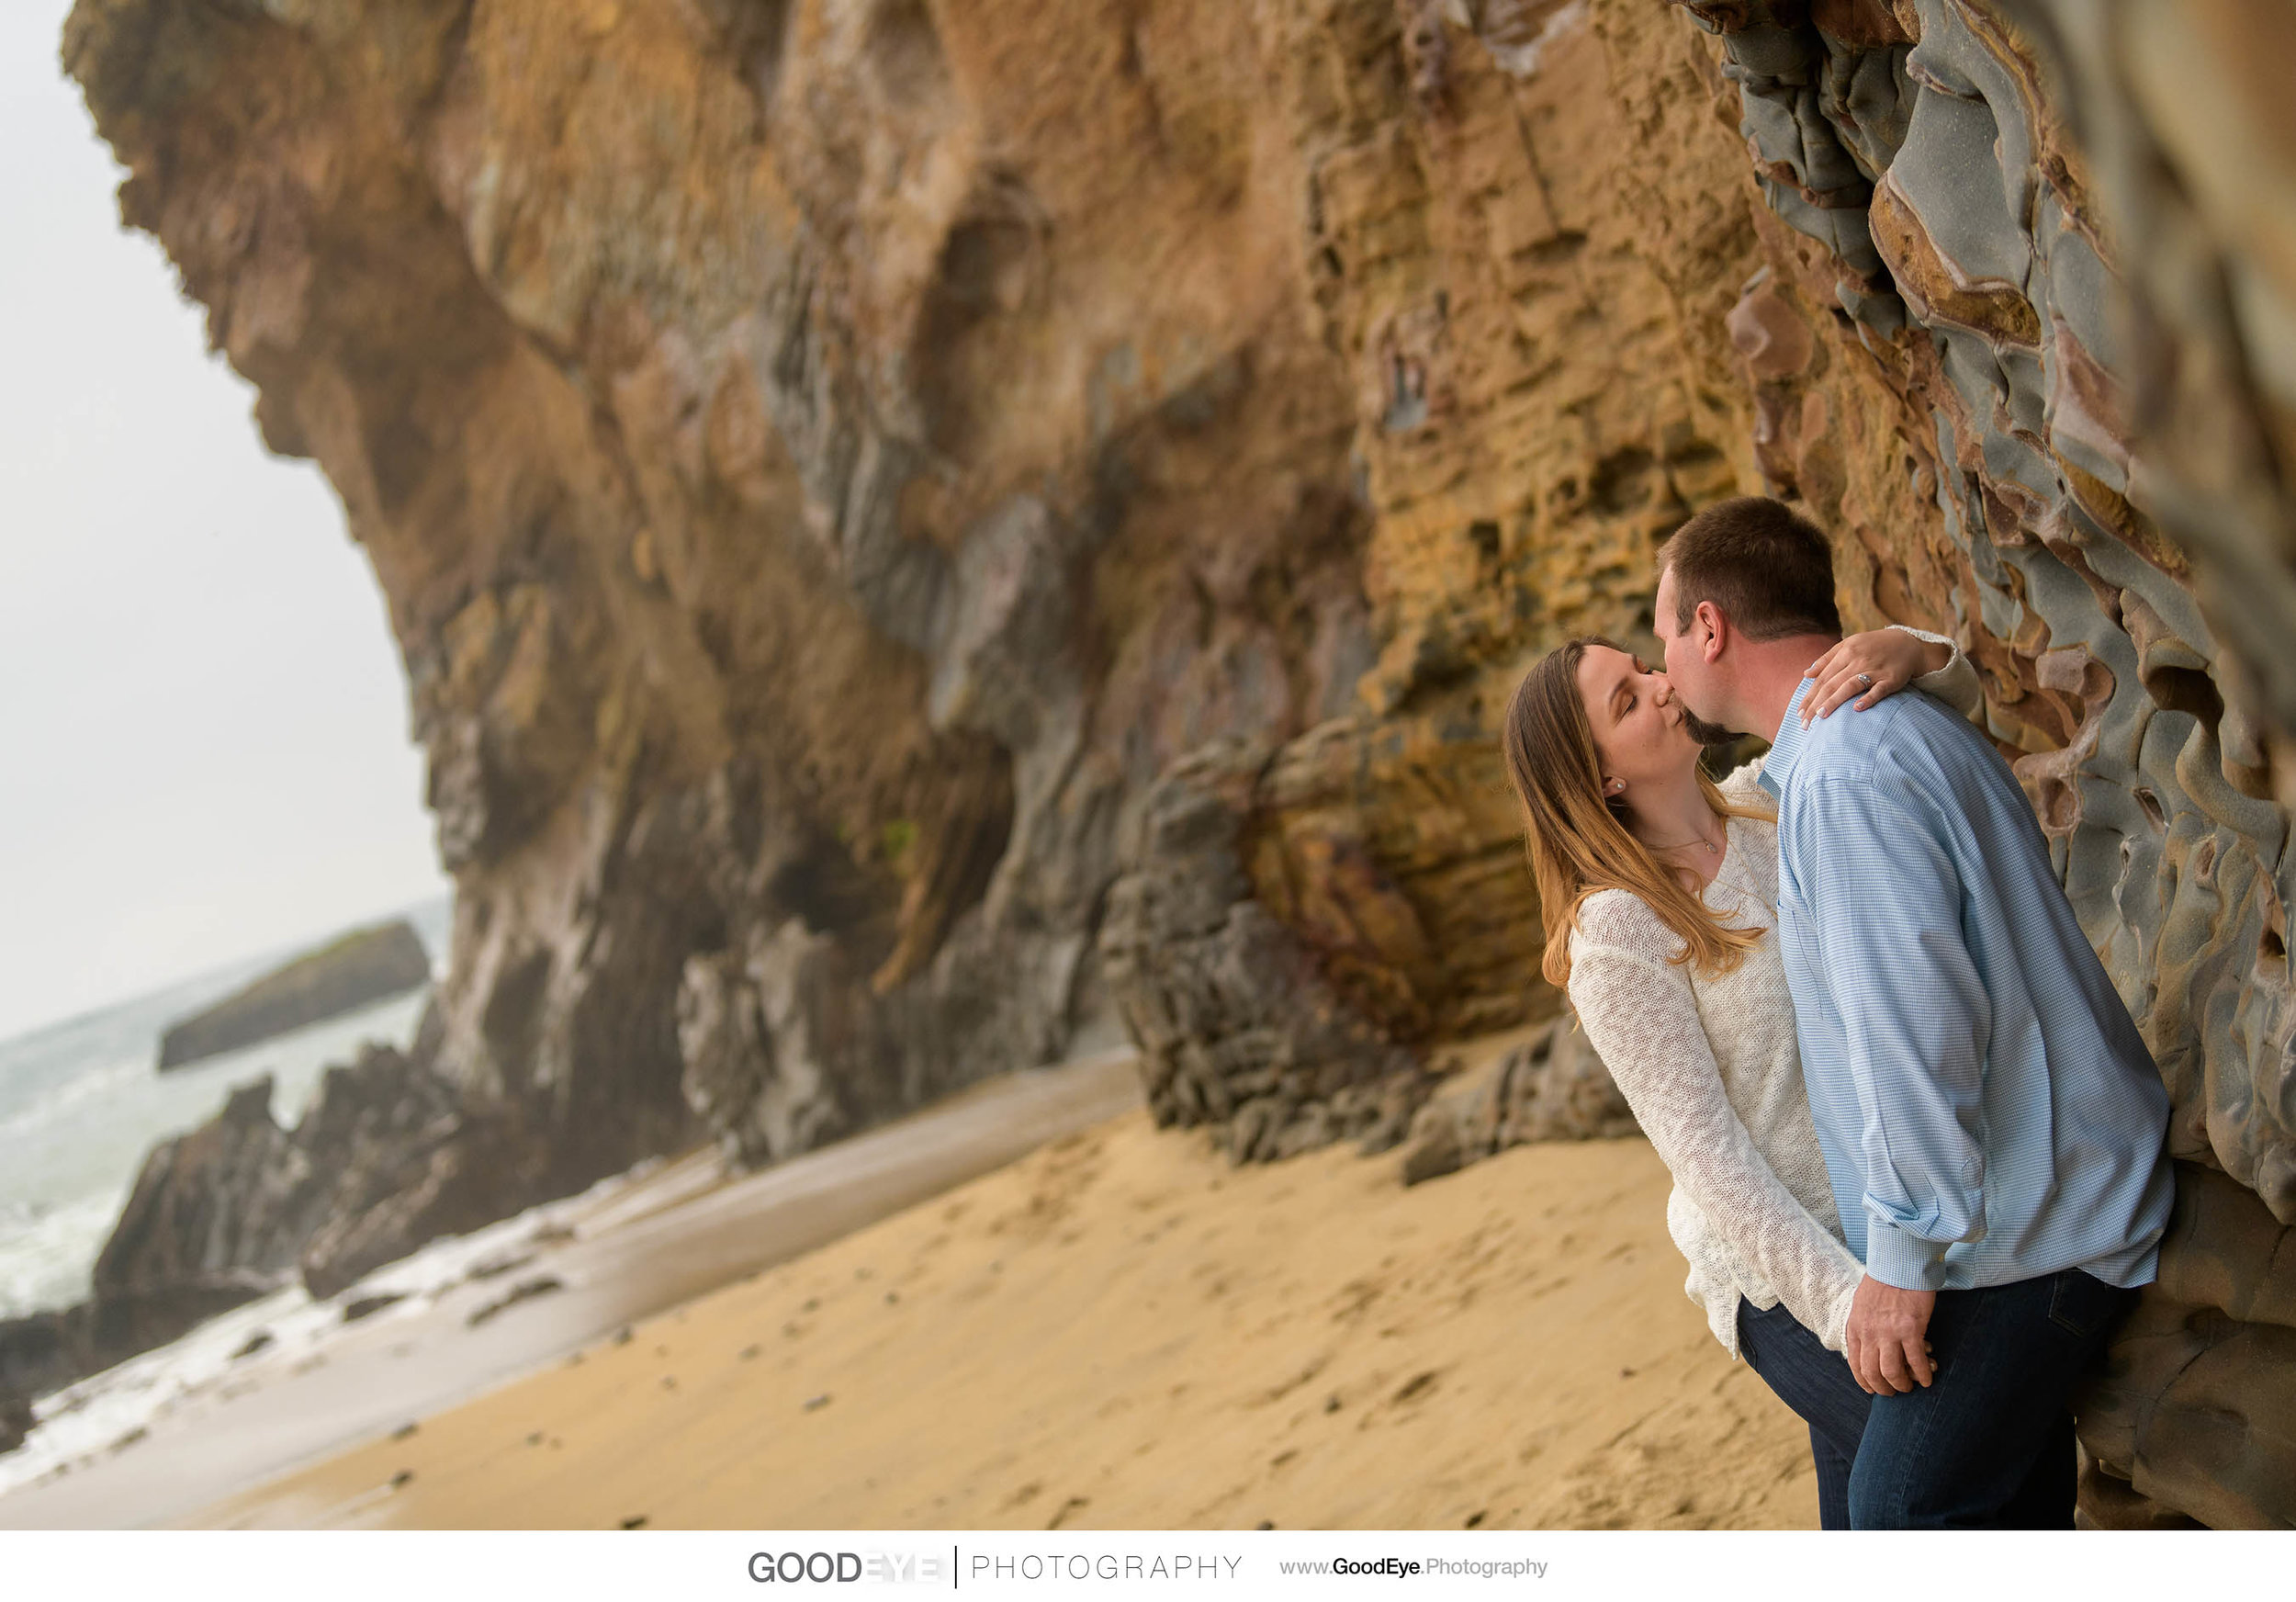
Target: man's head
<point x="1741" y="575"/>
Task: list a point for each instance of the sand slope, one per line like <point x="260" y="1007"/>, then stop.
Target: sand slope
<point x="1120" y="1330"/>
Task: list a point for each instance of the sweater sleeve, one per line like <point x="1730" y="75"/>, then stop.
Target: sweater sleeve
<point x="1956" y="682"/>
<point x="1642" y="1019"/>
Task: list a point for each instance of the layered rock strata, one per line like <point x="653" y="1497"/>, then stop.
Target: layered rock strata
<point x="364" y="966"/>
<point x="827" y="463"/>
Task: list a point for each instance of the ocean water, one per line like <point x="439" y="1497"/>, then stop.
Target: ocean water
<point x="81" y="1103"/>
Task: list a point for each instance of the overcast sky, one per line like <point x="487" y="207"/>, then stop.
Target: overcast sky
<point x="203" y="721"/>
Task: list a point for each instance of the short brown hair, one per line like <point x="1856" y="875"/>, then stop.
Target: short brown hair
<point x="1764" y="565"/>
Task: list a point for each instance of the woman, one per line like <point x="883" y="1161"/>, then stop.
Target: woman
<point x="1659" y="888"/>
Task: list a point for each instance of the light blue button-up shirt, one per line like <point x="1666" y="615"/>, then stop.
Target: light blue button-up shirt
<point x="1986" y="1110"/>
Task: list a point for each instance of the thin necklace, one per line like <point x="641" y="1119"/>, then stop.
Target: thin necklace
<point x="1712" y="848"/>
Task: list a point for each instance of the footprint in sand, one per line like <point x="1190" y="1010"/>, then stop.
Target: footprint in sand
<point x="1074" y="1504"/>
<point x="1418" y="1385"/>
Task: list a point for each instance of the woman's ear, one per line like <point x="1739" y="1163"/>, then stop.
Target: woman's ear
<point x="1612" y="786"/>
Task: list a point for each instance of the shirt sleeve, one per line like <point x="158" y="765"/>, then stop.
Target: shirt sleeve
<point x="1956" y="682"/>
<point x="1642" y="1019"/>
<point x="1916" y="1021"/>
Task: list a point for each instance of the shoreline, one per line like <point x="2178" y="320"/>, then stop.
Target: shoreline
<point x="194" y="1413"/>
<point x="1121" y="1331"/>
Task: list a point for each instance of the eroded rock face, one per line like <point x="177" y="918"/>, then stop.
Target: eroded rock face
<point x="2193" y="1411"/>
<point x="2072" y="480"/>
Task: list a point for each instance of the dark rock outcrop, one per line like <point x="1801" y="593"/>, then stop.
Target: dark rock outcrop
<point x="1241" y="1022"/>
<point x="41" y="1352"/>
<point x="387" y="1157"/>
<point x="363" y="966"/>
<point x="16" y="1420"/>
<point x="1551" y="1087"/>
<point x="397" y="1156"/>
<point x="213" y="1221"/>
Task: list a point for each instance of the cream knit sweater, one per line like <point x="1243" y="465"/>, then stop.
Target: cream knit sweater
<point x="1710" y="1068"/>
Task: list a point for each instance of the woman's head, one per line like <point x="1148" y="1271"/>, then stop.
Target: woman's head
<point x="1589" y="728"/>
<point x="1641" y="733"/>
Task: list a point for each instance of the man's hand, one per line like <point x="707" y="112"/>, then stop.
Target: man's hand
<point x="1887" y="1351"/>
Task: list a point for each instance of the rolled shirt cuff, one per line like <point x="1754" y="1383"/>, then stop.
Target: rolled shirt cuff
<point x="1907" y="1261"/>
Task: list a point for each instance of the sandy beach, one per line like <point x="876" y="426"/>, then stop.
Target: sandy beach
<point x="284" y="1382"/>
<point x="1120" y="1330"/>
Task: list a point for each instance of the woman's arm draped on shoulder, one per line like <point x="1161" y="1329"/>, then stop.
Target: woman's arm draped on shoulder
<point x="1642" y="1019"/>
<point x="1956" y="682"/>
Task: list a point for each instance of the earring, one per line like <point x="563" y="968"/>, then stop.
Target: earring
<point x="1616" y="785"/>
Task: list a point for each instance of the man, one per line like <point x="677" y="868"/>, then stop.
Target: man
<point x="1992" y="1124"/>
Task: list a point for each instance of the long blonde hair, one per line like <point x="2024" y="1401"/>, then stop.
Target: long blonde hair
<point x="1576" y="838"/>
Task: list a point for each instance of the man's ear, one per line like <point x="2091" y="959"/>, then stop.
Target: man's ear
<point x="1710" y="631"/>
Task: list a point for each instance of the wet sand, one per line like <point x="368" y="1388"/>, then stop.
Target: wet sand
<point x="645" y="1245"/>
<point x="1122" y="1331"/>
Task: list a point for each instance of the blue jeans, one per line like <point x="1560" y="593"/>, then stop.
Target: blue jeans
<point x="1989" y="1444"/>
<point x="1817" y="1385"/>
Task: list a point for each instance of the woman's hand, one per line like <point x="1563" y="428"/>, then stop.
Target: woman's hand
<point x="1889" y="660"/>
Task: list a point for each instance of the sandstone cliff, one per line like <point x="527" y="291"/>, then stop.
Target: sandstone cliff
<point x="364" y="966"/>
<point x="851" y="480"/>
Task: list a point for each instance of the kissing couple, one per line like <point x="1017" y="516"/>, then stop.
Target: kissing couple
<point x="1917" y="1143"/>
